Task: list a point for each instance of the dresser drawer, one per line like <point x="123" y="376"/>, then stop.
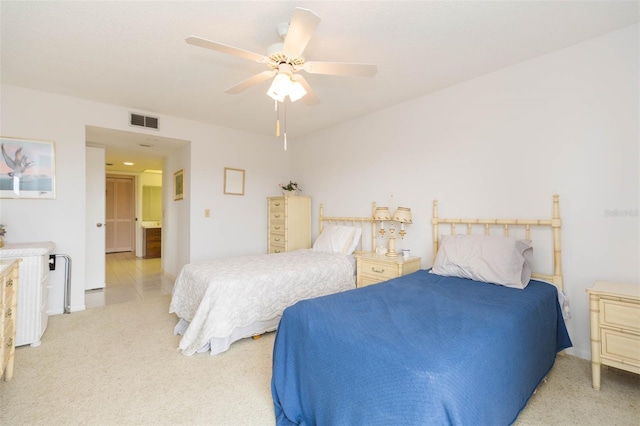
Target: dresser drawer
<point x="276" y="217"/>
<point x="9" y="288"/>
<point x="273" y="248"/>
<point x="7" y="326"/>
<point x="277" y="227"/>
<point x="5" y="349"/>
<point x="620" y="314"/>
<point x="277" y="240"/>
<point x="276" y="204"/>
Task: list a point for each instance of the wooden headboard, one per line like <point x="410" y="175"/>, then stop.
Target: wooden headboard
<point x="363" y="222"/>
<point x="555" y="223"/>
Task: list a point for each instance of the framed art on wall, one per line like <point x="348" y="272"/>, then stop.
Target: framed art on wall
<point x="27" y="168"/>
<point x="178" y="185"/>
<point x="233" y="181"/>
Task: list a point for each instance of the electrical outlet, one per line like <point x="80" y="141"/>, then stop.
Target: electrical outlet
<point x="207" y="213"/>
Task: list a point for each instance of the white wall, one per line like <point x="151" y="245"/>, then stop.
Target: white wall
<point x="500" y="146"/>
<point x="237" y="224"/>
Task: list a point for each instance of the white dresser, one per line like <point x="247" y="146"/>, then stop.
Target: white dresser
<point x="33" y="296"/>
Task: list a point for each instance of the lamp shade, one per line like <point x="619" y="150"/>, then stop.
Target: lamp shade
<point x="382" y="213"/>
<point x="403" y="215"/>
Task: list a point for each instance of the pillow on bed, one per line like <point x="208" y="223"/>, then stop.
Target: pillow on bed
<point x="337" y="239"/>
<point x="499" y="260"/>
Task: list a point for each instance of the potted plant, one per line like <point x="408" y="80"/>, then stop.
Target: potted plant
<point x="290" y="189"/>
<point x="2" y="232"/>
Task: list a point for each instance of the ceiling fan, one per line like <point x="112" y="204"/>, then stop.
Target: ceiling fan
<point x="285" y="60"/>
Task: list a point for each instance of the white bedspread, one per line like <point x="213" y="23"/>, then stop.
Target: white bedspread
<point x="217" y="296"/>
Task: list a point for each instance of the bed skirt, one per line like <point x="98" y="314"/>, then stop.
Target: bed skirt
<point x="221" y="344"/>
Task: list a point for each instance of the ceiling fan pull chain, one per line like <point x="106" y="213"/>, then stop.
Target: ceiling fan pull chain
<point x="285" y="125"/>
<point x="277" y="120"/>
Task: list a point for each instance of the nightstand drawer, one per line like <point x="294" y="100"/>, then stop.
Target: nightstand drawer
<point x="621" y="347"/>
<point x="378" y="271"/>
<point x="365" y="281"/>
<point x="620" y="314"/>
<point x="373" y="268"/>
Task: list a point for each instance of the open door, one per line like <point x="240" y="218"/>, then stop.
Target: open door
<point x="95" y="212"/>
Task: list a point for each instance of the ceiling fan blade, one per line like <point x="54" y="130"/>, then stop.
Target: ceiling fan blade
<point x="310" y="98"/>
<point x="340" y="68"/>
<point x="230" y="50"/>
<point x="244" y="85"/>
<point x="301" y="27"/>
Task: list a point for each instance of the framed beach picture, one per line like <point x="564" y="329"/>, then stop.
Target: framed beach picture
<point x="178" y="185"/>
<point x="27" y="168"/>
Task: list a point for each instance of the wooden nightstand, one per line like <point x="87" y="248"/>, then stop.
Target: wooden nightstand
<point x="615" y="327"/>
<point x="374" y="268"/>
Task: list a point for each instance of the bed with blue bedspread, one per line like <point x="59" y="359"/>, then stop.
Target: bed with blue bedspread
<point x="420" y="349"/>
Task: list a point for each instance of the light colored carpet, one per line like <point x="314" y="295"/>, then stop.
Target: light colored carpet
<point x="118" y="365"/>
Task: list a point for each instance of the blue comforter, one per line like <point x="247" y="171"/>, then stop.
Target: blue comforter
<point x="420" y="349"/>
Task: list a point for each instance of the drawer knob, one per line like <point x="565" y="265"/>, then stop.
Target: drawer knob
<point x="10" y="342"/>
<point x="277" y="227"/>
<point x="277" y="215"/>
<point x="277" y="239"/>
<point x="10" y="283"/>
<point x="277" y="204"/>
<point x="379" y="271"/>
<point x="8" y="314"/>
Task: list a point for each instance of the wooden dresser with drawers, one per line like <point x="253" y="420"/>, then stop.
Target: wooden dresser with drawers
<point x="289" y="223"/>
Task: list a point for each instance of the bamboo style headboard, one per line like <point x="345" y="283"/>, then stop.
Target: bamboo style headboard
<point x="555" y="223"/>
<point x="356" y="222"/>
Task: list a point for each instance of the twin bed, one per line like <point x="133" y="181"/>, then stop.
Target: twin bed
<point x="428" y="348"/>
<point x="224" y="300"/>
<point x="465" y="342"/>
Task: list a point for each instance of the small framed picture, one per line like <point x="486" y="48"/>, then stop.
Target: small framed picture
<point x="233" y="181"/>
<point x="27" y="168"/>
<point x="178" y="185"/>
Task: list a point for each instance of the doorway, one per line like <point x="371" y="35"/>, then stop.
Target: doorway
<point x="125" y="153"/>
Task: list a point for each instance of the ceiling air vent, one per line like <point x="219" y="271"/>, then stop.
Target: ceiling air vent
<point x="143" y="121"/>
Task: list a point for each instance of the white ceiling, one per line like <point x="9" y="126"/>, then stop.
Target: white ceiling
<point x="133" y="53"/>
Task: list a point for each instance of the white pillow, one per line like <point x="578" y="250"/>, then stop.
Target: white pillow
<point x="356" y="240"/>
<point x="335" y="239"/>
<point x="492" y="259"/>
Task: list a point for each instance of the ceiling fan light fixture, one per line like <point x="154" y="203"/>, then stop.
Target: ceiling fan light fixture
<point x="279" y="88"/>
<point x="296" y="91"/>
<point x="283" y="86"/>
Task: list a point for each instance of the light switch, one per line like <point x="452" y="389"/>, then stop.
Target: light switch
<point x="207" y="213"/>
